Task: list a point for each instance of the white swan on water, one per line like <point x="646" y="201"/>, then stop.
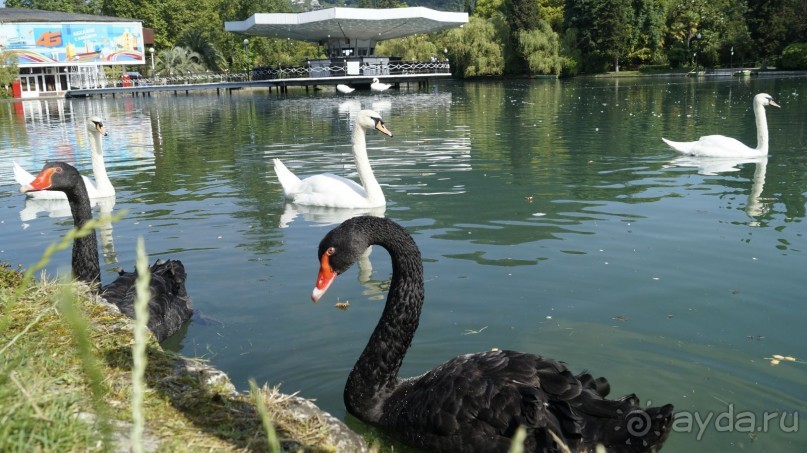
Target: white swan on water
<point x="378" y="86"/>
<point x="103" y="186"/>
<point x="722" y="146"/>
<point x="334" y="191"/>
<point x="342" y="88"/>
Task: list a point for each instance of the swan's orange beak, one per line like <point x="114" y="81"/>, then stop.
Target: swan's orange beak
<point x="42" y="180"/>
<point x="324" y="279"/>
<point x="379" y="126"/>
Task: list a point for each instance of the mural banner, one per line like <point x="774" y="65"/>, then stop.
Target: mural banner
<point x="54" y="44"/>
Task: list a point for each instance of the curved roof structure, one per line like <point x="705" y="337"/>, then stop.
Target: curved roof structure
<point x="348" y="23"/>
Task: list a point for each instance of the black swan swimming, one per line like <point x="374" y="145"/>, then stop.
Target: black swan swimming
<point x="474" y="402"/>
<point x="169" y="305"/>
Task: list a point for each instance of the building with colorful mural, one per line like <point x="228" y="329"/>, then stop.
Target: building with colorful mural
<point x="57" y="51"/>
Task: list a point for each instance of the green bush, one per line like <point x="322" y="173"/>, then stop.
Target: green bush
<point x="794" y="56"/>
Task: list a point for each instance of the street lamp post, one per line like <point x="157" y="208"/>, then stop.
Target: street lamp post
<point x="731" y="61"/>
<point x="246" y="56"/>
<point x="151" y="51"/>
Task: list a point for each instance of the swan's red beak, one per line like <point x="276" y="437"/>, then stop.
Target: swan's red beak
<point x="325" y="278"/>
<point x="42" y="180"/>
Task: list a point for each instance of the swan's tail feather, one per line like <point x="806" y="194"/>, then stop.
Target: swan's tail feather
<point x="288" y="180"/>
<point x="621" y="424"/>
<point x="169" y="304"/>
<point x="21" y="176"/>
<point x="681" y="147"/>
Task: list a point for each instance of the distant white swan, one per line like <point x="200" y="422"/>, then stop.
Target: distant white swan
<point x="104" y="187"/>
<point x="334" y="191"/>
<point x="722" y="146"/>
<point x="378" y="86"/>
<point x="342" y="88"/>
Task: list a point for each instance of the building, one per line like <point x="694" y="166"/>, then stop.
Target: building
<point x="349" y="35"/>
<point x="57" y="51"/>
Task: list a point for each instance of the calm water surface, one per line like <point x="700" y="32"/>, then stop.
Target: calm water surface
<point x="551" y="218"/>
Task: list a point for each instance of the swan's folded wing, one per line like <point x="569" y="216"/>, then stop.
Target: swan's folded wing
<point x="480" y="399"/>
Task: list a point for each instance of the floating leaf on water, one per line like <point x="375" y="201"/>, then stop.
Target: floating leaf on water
<point x="343" y="305"/>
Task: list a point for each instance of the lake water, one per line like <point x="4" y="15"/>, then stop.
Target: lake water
<point x="551" y="217"/>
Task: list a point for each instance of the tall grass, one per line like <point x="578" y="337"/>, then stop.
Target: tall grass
<point x="63" y="362"/>
<point x="260" y="405"/>
<point x="139" y="347"/>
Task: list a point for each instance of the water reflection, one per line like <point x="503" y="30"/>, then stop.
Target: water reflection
<point x="717" y="165"/>
<point x="528" y="200"/>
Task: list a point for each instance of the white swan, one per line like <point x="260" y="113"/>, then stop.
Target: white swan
<point x="104" y="187"/>
<point x="342" y="88"/>
<point x="334" y="191"/>
<point x="378" y="86"/>
<point x="722" y="146"/>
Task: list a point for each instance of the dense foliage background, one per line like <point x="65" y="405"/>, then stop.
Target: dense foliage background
<point x="561" y="37"/>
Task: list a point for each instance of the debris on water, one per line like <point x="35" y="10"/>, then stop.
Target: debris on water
<point x="343" y="305"/>
<point x="474" y="332"/>
<point x="620" y="318"/>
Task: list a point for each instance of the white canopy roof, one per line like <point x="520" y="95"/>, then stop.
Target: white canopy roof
<point x="348" y="23"/>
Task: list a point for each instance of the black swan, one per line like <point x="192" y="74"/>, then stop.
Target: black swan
<point x="169" y="306"/>
<point x="474" y="402"/>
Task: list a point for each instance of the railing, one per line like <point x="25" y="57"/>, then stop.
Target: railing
<point x="395" y="68"/>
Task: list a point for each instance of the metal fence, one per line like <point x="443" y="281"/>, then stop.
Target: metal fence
<point x="308" y="71"/>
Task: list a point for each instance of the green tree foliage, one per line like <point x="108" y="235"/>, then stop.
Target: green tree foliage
<point x="409" y="48"/>
<point x="604" y="29"/>
<point x="178" y="61"/>
<point x="486" y="8"/>
<point x="474" y="50"/>
<point x="197" y="40"/>
<point x="795" y="57"/>
<point x="66" y="6"/>
<point x="776" y="23"/>
<point x="647" y="40"/>
<point x="541" y="48"/>
<point x="8" y="70"/>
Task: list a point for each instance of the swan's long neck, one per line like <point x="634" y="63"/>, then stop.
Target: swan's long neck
<point x="762" y="128"/>
<point x="375" y="375"/>
<point x="102" y="183"/>
<point x="86" y="266"/>
<point x="372" y="190"/>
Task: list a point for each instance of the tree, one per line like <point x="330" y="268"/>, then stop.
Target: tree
<point x="197" y="40"/>
<point x="474" y="49"/>
<point x="178" y="61"/>
<point x="776" y="23"/>
<point x="409" y="48"/>
<point x="604" y="30"/>
<point x="66" y="6"/>
<point x="541" y="48"/>
<point x="9" y="71"/>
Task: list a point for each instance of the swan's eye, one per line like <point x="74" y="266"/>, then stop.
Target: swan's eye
<point x="330" y="251"/>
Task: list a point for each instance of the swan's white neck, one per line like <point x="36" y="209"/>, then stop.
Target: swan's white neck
<point x="102" y="183"/>
<point x="762" y="128"/>
<point x="372" y="190"/>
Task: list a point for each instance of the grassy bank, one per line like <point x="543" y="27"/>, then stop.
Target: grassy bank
<point x="64" y="390"/>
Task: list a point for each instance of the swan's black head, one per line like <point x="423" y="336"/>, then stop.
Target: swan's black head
<point x="342" y="246"/>
<point x="54" y="176"/>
